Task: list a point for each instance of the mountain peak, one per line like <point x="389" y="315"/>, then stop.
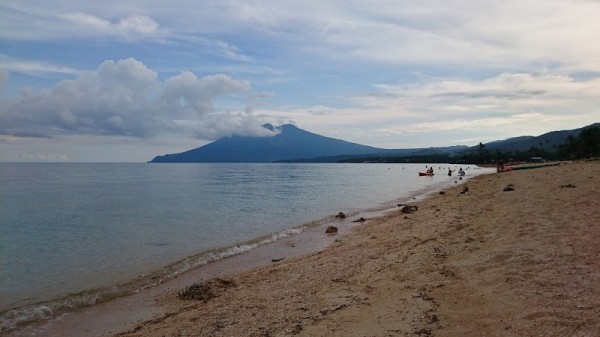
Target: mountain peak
<point x="290" y="143"/>
<point x="268" y="127"/>
<point x="288" y="126"/>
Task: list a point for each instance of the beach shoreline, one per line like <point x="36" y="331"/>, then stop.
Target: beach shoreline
<point x="120" y="312"/>
<point x="509" y="254"/>
<point x="396" y="274"/>
<point x="62" y="309"/>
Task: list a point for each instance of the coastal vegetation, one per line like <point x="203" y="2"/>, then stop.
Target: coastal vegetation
<point x="585" y="145"/>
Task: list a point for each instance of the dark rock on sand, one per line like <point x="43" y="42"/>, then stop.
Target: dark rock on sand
<point x="409" y="209"/>
<point x="197" y="291"/>
<point x="331" y="230"/>
<point x="340" y="215"/>
<point x="204" y="291"/>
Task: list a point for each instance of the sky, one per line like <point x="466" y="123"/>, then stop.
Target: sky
<point x="124" y="81"/>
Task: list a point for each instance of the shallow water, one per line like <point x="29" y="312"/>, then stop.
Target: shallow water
<point x="77" y="231"/>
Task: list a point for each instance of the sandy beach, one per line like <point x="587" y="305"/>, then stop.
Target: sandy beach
<point x="515" y="255"/>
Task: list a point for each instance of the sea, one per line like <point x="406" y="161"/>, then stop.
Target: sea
<point x="76" y="234"/>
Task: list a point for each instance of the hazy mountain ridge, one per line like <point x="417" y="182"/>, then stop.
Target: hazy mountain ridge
<point x="293" y="144"/>
<point x="547" y="141"/>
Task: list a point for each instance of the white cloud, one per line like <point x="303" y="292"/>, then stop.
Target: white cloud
<point x="132" y="24"/>
<point x="126" y="98"/>
<point x="186" y="93"/>
<point x="462" y="33"/>
<point x="228" y="51"/>
<point x="60" y="21"/>
<point x="87" y="20"/>
<point x="242" y="123"/>
<point x="138" y="23"/>
<point x="34" y="68"/>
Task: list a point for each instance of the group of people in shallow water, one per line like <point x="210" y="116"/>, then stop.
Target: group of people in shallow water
<point x="460" y="172"/>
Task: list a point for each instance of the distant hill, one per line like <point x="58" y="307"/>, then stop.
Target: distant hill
<point x="547" y="141"/>
<point x="290" y="143"/>
<point x="383" y="155"/>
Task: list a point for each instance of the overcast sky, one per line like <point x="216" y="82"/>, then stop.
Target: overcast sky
<point x="125" y="81"/>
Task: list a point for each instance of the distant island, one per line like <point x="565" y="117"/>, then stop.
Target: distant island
<point x="292" y="144"/>
<point x="289" y="143"/>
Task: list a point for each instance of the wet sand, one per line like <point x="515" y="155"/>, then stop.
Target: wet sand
<point x="485" y="262"/>
<point x="123" y="313"/>
<point x="521" y="262"/>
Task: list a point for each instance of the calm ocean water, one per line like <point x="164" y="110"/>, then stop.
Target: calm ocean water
<point x="73" y="234"/>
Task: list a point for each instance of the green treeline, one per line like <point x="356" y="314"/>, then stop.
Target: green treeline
<point x="585" y="145"/>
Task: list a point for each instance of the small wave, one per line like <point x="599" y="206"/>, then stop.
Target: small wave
<point x="14" y="318"/>
<point x="11" y="319"/>
<point x="219" y="254"/>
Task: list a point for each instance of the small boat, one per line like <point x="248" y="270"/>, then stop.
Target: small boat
<point x="425" y="174"/>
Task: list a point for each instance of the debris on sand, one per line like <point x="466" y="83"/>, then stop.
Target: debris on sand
<point x="331" y="230"/>
<point x="409" y="209"/>
<point x="204" y="291"/>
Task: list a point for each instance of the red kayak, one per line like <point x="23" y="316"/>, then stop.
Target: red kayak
<point x="425" y="174"/>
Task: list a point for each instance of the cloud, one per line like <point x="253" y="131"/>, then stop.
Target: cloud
<point x="133" y="23"/>
<point x="41" y="157"/>
<point x="242" y="123"/>
<point x="516" y="94"/>
<point x="223" y="49"/>
<point x="126" y="98"/>
<point x="465" y="33"/>
<point x="63" y="21"/>
<point x="33" y="67"/>
<point x="87" y="20"/>
<point x="186" y="93"/>
<point x="138" y="23"/>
